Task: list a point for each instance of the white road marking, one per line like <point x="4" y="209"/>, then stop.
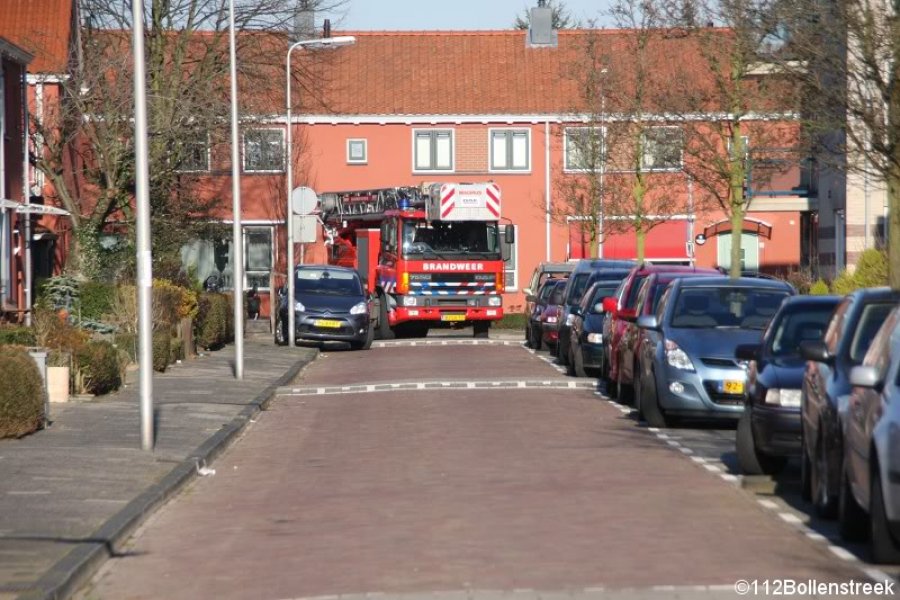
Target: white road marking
<point x="729" y="477"/>
<point x="814" y="535"/>
<point x="553" y="384"/>
<point x="712" y="468"/>
<point x="698" y="459"/>
<point x="790" y="518"/>
<point x="769" y="504"/>
<point x="841" y="552"/>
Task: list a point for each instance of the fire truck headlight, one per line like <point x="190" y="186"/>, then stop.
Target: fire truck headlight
<point x="495" y="301"/>
<point x="359" y="309"/>
<point x="409" y="300"/>
<point x="298" y="306"/>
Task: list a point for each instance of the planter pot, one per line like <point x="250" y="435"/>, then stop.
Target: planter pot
<point x="58" y="384"/>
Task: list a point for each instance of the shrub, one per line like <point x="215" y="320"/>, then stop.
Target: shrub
<point x="97" y="368"/>
<point x="871" y="269"/>
<point x="19" y="336"/>
<point x="21" y="395"/>
<point x="162" y="348"/>
<point x="512" y="321"/>
<point x="95" y="300"/>
<point x="802" y="280"/>
<point x="844" y="283"/>
<point x="819" y="288"/>
<point x="176" y="351"/>
<point x="59" y="292"/>
<point x="211" y="328"/>
<point x="53" y="331"/>
<point x="127" y="342"/>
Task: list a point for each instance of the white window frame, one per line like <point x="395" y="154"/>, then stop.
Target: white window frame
<point x="365" y="151"/>
<point x="188" y="169"/>
<point x="246" y="239"/>
<point x="567" y="166"/>
<point x="510" y="132"/>
<point x="245" y="153"/>
<point x="432" y="132"/>
<point x="645" y="154"/>
<point x="514" y="258"/>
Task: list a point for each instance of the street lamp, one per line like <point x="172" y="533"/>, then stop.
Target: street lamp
<point x="318" y="42"/>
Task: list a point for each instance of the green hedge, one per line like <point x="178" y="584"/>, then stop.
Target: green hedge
<point x="97" y="363"/>
<point x="17" y="336"/>
<point x="127" y="342"/>
<point x="512" y="321"/>
<point x="819" y="288"/>
<point x="214" y="326"/>
<point x="162" y="350"/>
<point x="96" y="299"/>
<point x="21" y="395"/>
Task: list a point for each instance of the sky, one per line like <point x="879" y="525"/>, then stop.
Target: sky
<point x="449" y="14"/>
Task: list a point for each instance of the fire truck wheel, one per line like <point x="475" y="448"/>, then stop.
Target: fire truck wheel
<point x="384" y="327"/>
<point x="481" y="329"/>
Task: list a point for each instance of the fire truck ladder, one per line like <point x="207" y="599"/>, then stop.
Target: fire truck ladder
<point x="368" y="204"/>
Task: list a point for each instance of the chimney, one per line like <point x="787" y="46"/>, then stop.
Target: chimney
<point x="540" y="28"/>
<point x="304" y="21"/>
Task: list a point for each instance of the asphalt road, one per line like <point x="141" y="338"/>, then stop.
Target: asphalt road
<point x="450" y="469"/>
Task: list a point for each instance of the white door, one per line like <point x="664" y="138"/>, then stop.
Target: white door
<point x="749" y="251"/>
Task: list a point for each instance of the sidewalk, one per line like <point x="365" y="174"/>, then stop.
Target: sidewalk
<point x="70" y="494"/>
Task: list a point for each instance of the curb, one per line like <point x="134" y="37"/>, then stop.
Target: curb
<point x="71" y="572"/>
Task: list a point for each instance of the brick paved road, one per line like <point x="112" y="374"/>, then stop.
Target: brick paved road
<point x="420" y="490"/>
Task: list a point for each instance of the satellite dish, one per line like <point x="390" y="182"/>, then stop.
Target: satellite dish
<point x="700" y="239"/>
<point x="303" y="200"/>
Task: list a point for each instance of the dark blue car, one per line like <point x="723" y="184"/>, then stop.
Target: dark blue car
<point x="768" y="432"/>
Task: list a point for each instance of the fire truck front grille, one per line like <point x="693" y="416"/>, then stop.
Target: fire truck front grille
<point x="449" y="302"/>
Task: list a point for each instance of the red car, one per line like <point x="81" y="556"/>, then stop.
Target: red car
<point x="549" y="330"/>
<point x="622" y="313"/>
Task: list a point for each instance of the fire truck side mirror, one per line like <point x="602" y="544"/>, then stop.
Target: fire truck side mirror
<point x="510" y="234"/>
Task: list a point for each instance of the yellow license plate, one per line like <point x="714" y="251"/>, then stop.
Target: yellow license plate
<point x="453" y="317"/>
<point x="327" y="324"/>
<point x="733" y="387"/>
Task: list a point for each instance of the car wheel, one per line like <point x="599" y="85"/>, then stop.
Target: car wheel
<point x="853" y="522"/>
<point x="528" y="342"/>
<point x="384" y="327"/>
<point x="367" y="343"/>
<point x="751" y="460"/>
<point x="805" y="469"/>
<point x="625" y="392"/>
<point x="652" y="412"/>
<point x="281" y="333"/>
<point x="885" y="549"/>
<point x="825" y="503"/>
<point x="536" y="338"/>
<point x="638" y="394"/>
<point x="579" y="362"/>
<point x="561" y="353"/>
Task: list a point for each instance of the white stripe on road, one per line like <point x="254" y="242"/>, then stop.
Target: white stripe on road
<point x="545" y="384"/>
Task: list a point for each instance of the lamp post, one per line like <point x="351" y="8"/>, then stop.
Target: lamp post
<point x="319" y="42"/>
<point x="237" y="240"/>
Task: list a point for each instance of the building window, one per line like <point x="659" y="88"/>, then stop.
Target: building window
<point x="511" y="270"/>
<point x="213" y="258"/>
<point x="357" y="152"/>
<point x="264" y="150"/>
<point x="510" y="150"/>
<point x="433" y="150"/>
<point x="195" y="154"/>
<point x="585" y="148"/>
<point x="662" y="148"/>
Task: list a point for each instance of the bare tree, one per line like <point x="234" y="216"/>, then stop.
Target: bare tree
<point x="732" y="105"/>
<point x="85" y="141"/>
<point x="845" y="54"/>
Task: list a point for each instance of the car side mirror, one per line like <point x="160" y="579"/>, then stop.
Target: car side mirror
<point x="865" y="376"/>
<point x="815" y="350"/>
<point x="576" y="310"/>
<point x="599" y="308"/>
<point x="648" y="322"/>
<point x="610" y="305"/>
<point x="747" y="352"/>
<point x="510" y="234"/>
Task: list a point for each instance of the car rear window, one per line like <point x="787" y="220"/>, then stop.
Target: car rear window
<point x="807" y="324"/>
<point x="579" y="283"/>
<point x="871" y="319"/>
<point x="634" y="290"/>
<point x="727" y="306"/>
<point x="327" y="281"/>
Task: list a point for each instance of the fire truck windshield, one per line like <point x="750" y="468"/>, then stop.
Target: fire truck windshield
<point x="451" y="239"/>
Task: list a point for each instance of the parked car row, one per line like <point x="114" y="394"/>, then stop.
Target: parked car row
<point x="811" y="378"/>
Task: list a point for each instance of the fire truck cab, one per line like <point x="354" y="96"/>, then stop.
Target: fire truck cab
<point x="431" y="256"/>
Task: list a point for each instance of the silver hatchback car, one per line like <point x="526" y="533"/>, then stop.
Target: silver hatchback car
<point x="687" y="365"/>
<point x="869" y="502"/>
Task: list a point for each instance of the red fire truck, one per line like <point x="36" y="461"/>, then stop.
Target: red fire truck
<point x="432" y="256"/>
